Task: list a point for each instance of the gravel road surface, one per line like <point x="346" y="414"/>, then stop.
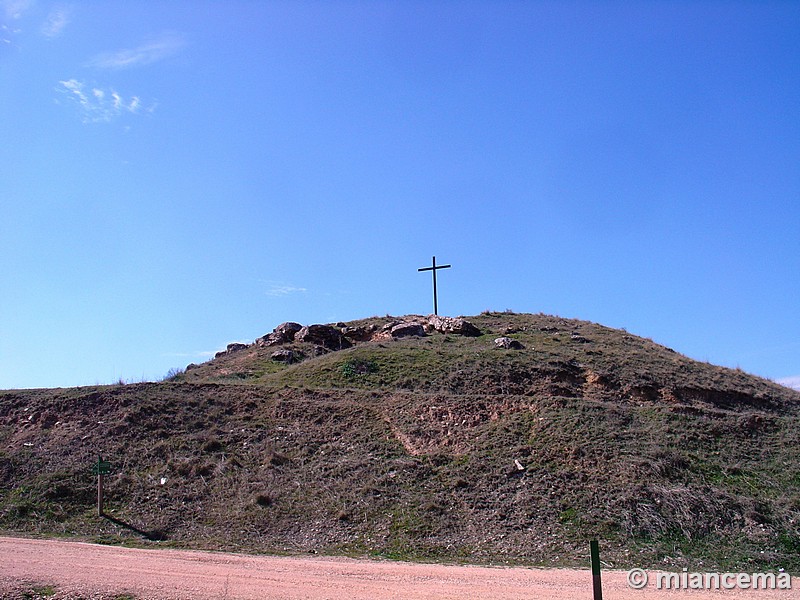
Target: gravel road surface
<point x="80" y="570"/>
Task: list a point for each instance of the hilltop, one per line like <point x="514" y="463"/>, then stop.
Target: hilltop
<point x="496" y="438"/>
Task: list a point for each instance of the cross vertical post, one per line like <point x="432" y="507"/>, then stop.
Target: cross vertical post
<point x="434" y="268"/>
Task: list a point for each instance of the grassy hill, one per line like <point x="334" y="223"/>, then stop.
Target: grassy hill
<point x="434" y="447"/>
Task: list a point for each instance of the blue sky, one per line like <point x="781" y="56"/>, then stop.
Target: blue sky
<point x="175" y="176"/>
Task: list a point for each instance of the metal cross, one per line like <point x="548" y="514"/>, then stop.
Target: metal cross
<point x="434" y="268"/>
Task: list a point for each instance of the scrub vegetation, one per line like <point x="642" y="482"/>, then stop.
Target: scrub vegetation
<point x="436" y="448"/>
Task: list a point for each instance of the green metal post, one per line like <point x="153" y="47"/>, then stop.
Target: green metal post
<point x="594" y="550"/>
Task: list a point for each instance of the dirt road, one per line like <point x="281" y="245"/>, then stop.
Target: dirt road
<point x="86" y="569"/>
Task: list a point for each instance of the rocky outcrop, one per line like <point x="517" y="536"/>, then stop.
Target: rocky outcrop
<point x="508" y="343"/>
<point x="283" y="355"/>
<point x="282" y="334"/>
<point x="323" y="335"/>
<point x="288" y="329"/>
<point x="231" y="348"/>
<point x="408" y="330"/>
<point x="454" y="325"/>
<point x="359" y="334"/>
<point x="330" y="338"/>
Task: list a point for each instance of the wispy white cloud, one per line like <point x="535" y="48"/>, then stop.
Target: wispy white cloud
<point x="56" y="21"/>
<point x="14" y="9"/>
<point x="8" y="33"/>
<point x="5" y="34"/>
<point x="168" y="44"/>
<point x="97" y="105"/>
<point x="277" y="290"/>
<point x="791" y="382"/>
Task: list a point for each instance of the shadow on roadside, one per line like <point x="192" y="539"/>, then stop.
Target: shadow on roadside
<point x="154" y="536"/>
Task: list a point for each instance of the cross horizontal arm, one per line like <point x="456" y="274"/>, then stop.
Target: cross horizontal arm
<point x="437" y="267"/>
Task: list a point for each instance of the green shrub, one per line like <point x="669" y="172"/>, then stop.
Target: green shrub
<point x="354" y="367"/>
